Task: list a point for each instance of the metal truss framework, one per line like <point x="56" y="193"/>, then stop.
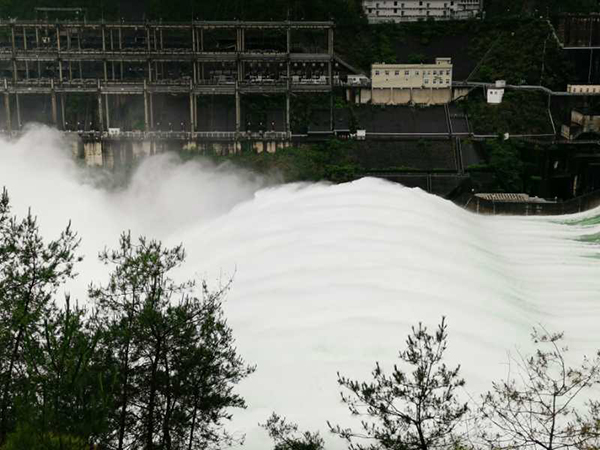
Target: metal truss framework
<point x="34" y="43"/>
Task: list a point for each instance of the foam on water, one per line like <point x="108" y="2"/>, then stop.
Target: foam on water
<point x="329" y="278"/>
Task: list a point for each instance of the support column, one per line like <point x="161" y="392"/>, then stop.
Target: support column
<point x="100" y="110"/>
<point x="13" y="40"/>
<point x="18" y="103"/>
<point x="25" y="46"/>
<point x="330" y="73"/>
<point x="146" y="112"/>
<point x="238" y="108"/>
<point x="104" y="62"/>
<point x="193" y="38"/>
<point x="288" y="107"/>
<point x="151" y="107"/>
<point x="202" y="51"/>
<point x="54" y="105"/>
<point x="7" y="107"/>
<point x="14" y="52"/>
<point x="288" y="94"/>
<point x="63" y="115"/>
<point x="69" y="49"/>
<point x="37" y="47"/>
<point x="79" y="32"/>
<point x="107" y="106"/>
<point x="156" y="72"/>
<point x="121" y="49"/>
<point x="112" y="49"/>
<point x="58" y="38"/>
<point x="192" y="112"/>
<point x="15" y="70"/>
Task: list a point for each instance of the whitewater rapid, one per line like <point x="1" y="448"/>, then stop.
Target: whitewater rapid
<point x="327" y="278"/>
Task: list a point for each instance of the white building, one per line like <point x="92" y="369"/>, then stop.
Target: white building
<point x="413" y="76"/>
<point x="380" y="11"/>
<point x="496" y="94"/>
<point x="401" y="84"/>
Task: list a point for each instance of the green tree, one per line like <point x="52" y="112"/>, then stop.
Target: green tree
<point x="405" y="411"/>
<point x="31" y="271"/>
<point x="72" y="384"/>
<point x="536" y="406"/>
<point x="286" y="437"/>
<point x="177" y="364"/>
<point x="506" y="162"/>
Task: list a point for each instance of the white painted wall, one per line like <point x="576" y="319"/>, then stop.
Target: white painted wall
<point x="379" y="11"/>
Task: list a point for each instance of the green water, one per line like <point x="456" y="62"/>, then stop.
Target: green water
<point x="591" y="238"/>
<point x="587" y="222"/>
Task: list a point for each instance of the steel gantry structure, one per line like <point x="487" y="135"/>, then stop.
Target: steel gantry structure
<point x="63" y="57"/>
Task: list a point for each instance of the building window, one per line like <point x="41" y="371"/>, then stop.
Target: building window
<point x="397" y="73"/>
<point x="417" y="72"/>
<point x="387" y="72"/>
<point x="377" y="72"/>
<point x="435" y="72"/>
<point x="406" y="72"/>
<point x="447" y="81"/>
<point x="426" y="81"/>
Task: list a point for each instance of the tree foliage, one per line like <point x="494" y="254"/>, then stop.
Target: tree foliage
<point x="152" y="366"/>
<point x="174" y="353"/>
<point x="286" y="436"/>
<point x="536" y="406"/>
<point x="416" y="410"/>
<point x="31" y="271"/>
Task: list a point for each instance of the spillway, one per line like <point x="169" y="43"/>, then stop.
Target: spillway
<point x="328" y="278"/>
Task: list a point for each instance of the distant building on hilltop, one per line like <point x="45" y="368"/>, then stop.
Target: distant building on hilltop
<point x="381" y="11"/>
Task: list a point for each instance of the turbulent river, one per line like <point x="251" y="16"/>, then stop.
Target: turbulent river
<point x="327" y="278"/>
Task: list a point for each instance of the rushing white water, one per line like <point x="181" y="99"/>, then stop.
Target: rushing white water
<point x="328" y="278"/>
